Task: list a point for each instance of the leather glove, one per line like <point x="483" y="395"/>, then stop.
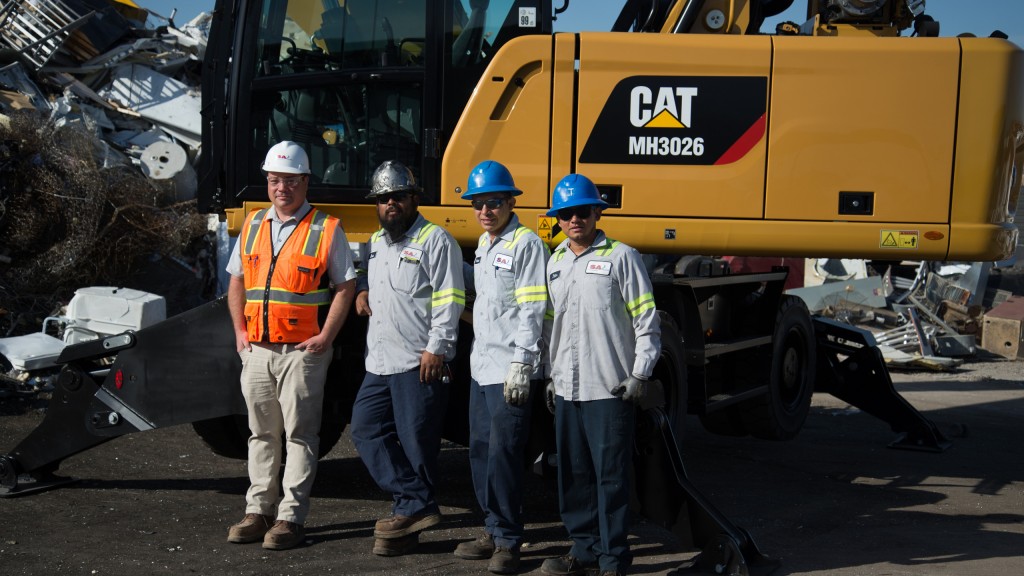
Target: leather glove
<point x="631" y="389"/>
<point x="549" y="395"/>
<point x="517" y="383"/>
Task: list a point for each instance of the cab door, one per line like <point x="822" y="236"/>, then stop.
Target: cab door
<point x="675" y="125"/>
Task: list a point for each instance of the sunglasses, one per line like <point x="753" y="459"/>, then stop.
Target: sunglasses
<point x="396" y="196"/>
<point x="492" y="203"/>
<point x="581" y="212"/>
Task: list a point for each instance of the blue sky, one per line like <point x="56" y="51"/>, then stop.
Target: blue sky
<point x="980" y="17"/>
<point x="955" y="16"/>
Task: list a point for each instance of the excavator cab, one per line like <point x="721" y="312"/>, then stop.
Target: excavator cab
<point x="356" y="82"/>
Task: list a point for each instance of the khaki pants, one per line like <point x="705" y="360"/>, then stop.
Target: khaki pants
<point x="284" y="390"/>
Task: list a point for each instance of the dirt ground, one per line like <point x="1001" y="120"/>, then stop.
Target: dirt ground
<point x="833" y="501"/>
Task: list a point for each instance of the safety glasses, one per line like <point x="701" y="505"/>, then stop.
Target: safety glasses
<point x="292" y="182"/>
<point x="492" y="203"/>
<point x="581" y="212"/>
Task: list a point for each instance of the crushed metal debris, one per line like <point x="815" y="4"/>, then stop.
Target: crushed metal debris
<point x="99" y="117"/>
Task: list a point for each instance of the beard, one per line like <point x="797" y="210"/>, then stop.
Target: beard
<point x="397" y="225"/>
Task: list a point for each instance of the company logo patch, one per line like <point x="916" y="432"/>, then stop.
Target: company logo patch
<point x="689" y="120"/>
<point x="412" y="254"/>
<point x="600" y="267"/>
<point x="503" y="261"/>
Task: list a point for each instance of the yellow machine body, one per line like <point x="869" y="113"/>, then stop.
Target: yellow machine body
<point x="928" y="131"/>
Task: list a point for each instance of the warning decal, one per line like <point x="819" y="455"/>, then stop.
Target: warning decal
<point x="899" y="239"/>
<point x="545" y="225"/>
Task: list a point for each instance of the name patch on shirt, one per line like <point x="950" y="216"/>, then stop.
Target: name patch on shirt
<point x="372" y="255"/>
<point x="555" y="275"/>
<point x="503" y="261"/>
<point x="599" y="267"/>
<point x="477" y="261"/>
<point x="412" y="254"/>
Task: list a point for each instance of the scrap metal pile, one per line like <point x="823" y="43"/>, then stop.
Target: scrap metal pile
<point x="931" y="315"/>
<point x="99" y="133"/>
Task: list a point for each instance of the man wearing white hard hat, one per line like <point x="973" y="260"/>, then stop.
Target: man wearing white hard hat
<point x="292" y="285"/>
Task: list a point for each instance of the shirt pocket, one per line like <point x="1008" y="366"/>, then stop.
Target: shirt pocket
<point x="597" y="291"/>
<point x="406" y="276"/>
<point x="505" y="281"/>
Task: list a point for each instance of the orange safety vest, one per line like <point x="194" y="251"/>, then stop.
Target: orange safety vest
<point x="286" y="296"/>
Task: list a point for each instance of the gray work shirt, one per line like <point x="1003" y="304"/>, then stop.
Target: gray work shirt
<point x="606" y="326"/>
<point x="511" y="298"/>
<point x="416" y="294"/>
<point x="339" y="267"/>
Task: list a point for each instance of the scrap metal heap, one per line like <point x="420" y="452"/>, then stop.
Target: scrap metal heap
<point x="99" y="130"/>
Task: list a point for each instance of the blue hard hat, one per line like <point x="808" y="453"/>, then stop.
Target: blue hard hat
<point x="490" y="176"/>
<point x="575" y="190"/>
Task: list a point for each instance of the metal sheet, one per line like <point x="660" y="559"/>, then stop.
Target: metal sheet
<point x="171" y="104"/>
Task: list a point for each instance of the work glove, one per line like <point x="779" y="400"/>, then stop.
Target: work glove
<point x="517" y="383"/>
<point x="549" y="395"/>
<point x="631" y="389"/>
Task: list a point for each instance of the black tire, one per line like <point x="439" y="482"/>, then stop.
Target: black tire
<point x="671" y="371"/>
<point x="655" y="492"/>
<point x="226" y="436"/>
<point x="780" y="414"/>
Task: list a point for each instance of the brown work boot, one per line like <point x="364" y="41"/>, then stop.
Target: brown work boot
<point x="504" y="561"/>
<point x="396" y="546"/>
<point x="284" y="535"/>
<point x="398" y="526"/>
<point x="250" y="529"/>
<point x="480" y="549"/>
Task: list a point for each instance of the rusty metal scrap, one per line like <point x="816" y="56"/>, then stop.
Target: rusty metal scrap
<point x="67" y="222"/>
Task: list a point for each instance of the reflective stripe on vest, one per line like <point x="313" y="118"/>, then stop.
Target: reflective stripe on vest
<point x="278" y="296"/>
<point x="254" y="231"/>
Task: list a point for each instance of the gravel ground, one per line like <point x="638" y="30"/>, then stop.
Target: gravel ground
<point x="833" y="501"/>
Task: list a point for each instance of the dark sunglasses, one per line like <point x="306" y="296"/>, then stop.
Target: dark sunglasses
<point x="492" y="203"/>
<point x="581" y="212"/>
<point x="396" y="196"/>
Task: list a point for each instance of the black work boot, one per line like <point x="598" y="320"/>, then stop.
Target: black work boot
<point x="504" y="561"/>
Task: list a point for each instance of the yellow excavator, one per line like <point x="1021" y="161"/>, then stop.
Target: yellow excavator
<point x="858" y="133"/>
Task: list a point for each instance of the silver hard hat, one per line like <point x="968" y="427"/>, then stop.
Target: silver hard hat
<point x="392" y="176"/>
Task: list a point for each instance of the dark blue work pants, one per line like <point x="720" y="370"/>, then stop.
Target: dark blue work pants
<point x="497" y="441"/>
<point x="396" y="428"/>
<point x="595" y="451"/>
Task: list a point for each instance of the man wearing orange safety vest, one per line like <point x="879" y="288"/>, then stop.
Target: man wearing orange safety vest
<point x="288" y="261"/>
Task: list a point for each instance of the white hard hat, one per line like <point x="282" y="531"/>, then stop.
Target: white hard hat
<point x="287" y="157"/>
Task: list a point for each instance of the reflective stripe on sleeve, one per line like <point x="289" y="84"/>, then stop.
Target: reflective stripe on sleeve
<point x="531" y="294"/>
<point x="640" y="305"/>
<point x="449" y="296"/>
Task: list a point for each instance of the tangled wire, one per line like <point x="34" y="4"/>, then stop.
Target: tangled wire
<point x="67" y="222"/>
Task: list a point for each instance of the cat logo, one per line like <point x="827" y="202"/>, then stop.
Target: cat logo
<point x="679" y="120"/>
<point x="671" y="109"/>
